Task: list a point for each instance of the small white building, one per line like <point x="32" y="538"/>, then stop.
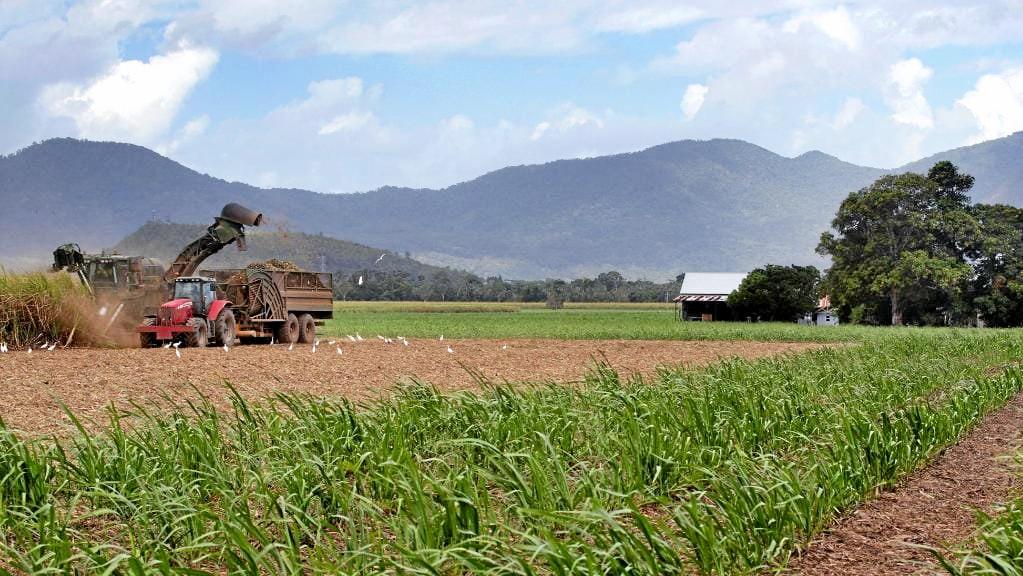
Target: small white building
<point x="824" y="314"/>
<point x="704" y="295"/>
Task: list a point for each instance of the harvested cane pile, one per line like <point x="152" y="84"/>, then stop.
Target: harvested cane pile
<point x="241" y="277"/>
<point x="40" y="307"/>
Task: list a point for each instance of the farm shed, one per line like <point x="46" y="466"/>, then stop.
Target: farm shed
<point x="825" y="314"/>
<point x="704" y="295"/>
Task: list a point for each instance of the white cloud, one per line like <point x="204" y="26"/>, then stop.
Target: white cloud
<point x="639" y="19"/>
<point x="348" y="122"/>
<point x="847" y="114"/>
<point x="134" y="100"/>
<point x="996" y="103"/>
<point x="457" y="123"/>
<point x="565" y="119"/>
<point x="190" y="131"/>
<point x="540" y="130"/>
<point x="906" y="80"/>
<point x="693" y="99"/>
<point x="835" y="24"/>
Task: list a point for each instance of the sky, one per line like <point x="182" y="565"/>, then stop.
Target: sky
<point x="346" y="96"/>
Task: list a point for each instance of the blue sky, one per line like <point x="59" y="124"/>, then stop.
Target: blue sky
<point x="345" y="96"/>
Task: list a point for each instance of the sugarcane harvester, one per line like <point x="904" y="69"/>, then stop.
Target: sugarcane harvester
<point x="222" y="306"/>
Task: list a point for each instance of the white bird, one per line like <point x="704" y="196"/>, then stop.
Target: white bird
<point x="225" y="347"/>
<point x="380" y="258"/>
<point x="441" y="337"/>
<point x="352" y="338"/>
<point x="330" y="342"/>
<point x="339" y="350"/>
<point x="450" y="351"/>
<point x="45" y="344"/>
<point x="316" y="342"/>
<point x="177" y="344"/>
<point x="291" y="347"/>
<point x="314" y="348"/>
<point x="167" y="345"/>
<point x="29" y="349"/>
<point x="505" y="347"/>
<point x="405" y="342"/>
<point x="359" y="337"/>
<point x="360" y="280"/>
<point x="177" y="352"/>
<point x="3" y="347"/>
<point x="271" y="340"/>
<point x="52" y="346"/>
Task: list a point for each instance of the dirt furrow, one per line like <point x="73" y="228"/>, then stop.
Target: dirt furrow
<point x="934" y="507"/>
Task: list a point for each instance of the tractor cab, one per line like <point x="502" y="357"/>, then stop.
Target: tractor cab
<point x="199" y="290"/>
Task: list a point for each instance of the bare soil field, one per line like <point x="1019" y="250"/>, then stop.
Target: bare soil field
<point x="88" y="380"/>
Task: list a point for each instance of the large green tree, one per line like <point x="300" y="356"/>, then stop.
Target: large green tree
<point x="996" y="289"/>
<point x="776" y="292"/>
<point x="902" y="240"/>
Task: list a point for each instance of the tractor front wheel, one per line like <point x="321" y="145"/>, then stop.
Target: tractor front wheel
<point x="226" y="327"/>
<point x="199" y="337"/>
<point x="306" y="329"/>
<point x="288" y="333"/>
<point x="148" y="339"/>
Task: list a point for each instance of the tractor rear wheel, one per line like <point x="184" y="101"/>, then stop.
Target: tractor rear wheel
<point x="226" y="327"/>
<point x="288" y="332"/>
<point x="148" y="339"/>
<point x="306" y="329"/>
<point x="199" y="337"/>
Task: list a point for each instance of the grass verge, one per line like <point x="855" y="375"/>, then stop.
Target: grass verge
<point x="590" y="322"/>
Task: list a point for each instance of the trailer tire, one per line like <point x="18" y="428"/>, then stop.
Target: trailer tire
<point x="306" y="329"/>
<point x="199" y="337"/>
<point x="288" y="332"/>
<point x="148" y="339"/>
<point x="226" y="327"/>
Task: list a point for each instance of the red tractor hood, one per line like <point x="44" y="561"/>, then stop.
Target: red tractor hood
<point x="176" y="312"/>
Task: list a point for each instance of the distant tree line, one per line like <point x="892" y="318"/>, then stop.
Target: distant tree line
<point x="461" y="287"/>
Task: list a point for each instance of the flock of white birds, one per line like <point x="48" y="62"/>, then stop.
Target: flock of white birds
<point x="176" y="346"/>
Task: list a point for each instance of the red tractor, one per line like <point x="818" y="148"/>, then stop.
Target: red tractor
<point x="195" y="313"/>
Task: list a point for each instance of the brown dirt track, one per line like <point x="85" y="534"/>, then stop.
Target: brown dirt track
<point x="933" y="508"/>
<point x="88" y="380"/>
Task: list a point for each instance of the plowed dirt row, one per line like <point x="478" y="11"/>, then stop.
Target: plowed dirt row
<point x="88" y="380"/>
<point x="934" y="507"/>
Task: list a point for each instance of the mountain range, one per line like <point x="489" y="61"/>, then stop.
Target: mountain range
<point x="715" y="205"/>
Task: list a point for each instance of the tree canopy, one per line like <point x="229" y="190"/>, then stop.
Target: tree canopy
<point x="777" y="292"/>
<point x="914" y="248"/>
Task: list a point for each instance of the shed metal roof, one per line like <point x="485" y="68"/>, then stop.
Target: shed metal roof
<point x="711" y="283"/>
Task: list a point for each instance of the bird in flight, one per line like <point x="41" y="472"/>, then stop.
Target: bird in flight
<point x="380" y="258"/>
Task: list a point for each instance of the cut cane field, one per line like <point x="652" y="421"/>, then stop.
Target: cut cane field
<point x="723" y="468"/>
